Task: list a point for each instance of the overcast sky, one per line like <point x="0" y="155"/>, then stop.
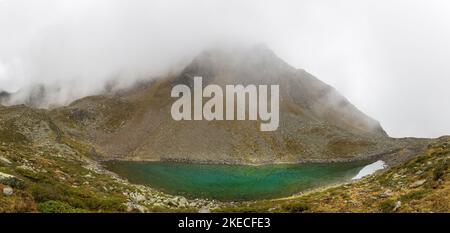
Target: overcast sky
<point x="390" y="58"/>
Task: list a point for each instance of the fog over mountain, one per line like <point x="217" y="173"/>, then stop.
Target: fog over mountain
<point x="389" y="58"/>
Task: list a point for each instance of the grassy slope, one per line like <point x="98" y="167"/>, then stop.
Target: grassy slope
<point x="55" y="172"/>
<point x="420" y="185"/>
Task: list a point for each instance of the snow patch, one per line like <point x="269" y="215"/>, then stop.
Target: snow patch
<point x="370" y="169"/>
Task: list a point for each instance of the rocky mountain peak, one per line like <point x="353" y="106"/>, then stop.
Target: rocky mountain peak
<point x="258" y="65"/>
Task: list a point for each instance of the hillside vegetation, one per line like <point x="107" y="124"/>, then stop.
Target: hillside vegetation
<point x="422" y="184"/>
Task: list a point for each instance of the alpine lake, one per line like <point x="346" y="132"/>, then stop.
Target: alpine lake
<point x="234" y="182"/>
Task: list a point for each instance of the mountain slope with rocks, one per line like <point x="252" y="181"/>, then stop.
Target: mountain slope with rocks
<point x="317" y="124"/>
<point x="43" y="169"/>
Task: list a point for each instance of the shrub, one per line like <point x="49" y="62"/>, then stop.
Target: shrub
<point x="416" y="195"/>
<point x="14" y="182"/>
<point x="58" y="207"/>
<point x="46" y="192"/>
<point x="296" y="207"/>
<point x="440" y="169"/>
<point x="387" y="206"/>
<point x="107" y="204"/>
<point x="34" y="176"/>
<point x="81" y="199"/>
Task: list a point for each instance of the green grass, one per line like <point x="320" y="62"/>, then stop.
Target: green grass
<point x="58" y="207"/>
<point x="9" y="133"/>
<point x="295" y="207"/>
<point x="387" y="206"/>
<point x="440" y="170"/>
<point x="415" y="195"/>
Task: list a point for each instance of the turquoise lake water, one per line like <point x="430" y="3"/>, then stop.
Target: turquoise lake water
<point x="233" y="182"/>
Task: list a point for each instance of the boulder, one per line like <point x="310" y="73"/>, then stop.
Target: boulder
<point x="6" y="177"/>
<point x="182" y="202"/>
<point x="8" y="191"/>
<point x="386" y="194"/>
<point x="137" y="197"/>
<point x="10" y="180"/>
<point x="26" y="167"/>
<point x="204" y="210"/>
<point x="417" y="183"/>
<point x="398" y="204"/>
<point x="4" y="161"/>
<point x="133" y="207"/>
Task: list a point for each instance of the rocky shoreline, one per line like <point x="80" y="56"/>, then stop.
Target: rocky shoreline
<point x="145" y="199"/>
